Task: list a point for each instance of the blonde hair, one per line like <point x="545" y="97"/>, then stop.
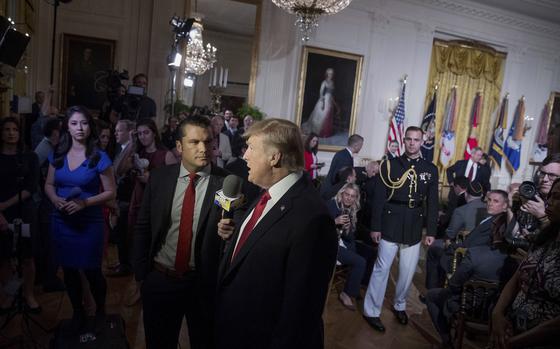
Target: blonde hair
<point x="352" y="210"/>
<point x="283" y="135"/>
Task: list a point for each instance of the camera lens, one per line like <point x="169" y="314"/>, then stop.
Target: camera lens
<point x="528" y="190"/>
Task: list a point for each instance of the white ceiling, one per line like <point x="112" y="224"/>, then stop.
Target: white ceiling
<point x="548" y="10"/>
<point x="227" y="16"/>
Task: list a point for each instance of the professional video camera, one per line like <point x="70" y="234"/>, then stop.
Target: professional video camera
<point x="126" y="102"/>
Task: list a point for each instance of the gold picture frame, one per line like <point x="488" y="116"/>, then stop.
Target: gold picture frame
<point x="83" y="74"/>
<point x="328" y="94"/>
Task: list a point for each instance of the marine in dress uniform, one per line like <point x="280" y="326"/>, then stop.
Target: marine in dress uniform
<point x="407" y="198"/>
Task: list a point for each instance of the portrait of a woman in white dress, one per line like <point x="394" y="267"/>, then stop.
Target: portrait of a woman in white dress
<point x="322" y="117"/>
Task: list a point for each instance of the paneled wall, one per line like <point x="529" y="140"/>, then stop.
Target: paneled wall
<point x="395" y="37"/>
<point x="140" y="29"/>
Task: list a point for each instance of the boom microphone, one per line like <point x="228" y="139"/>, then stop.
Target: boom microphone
<point x="229" y="197"/>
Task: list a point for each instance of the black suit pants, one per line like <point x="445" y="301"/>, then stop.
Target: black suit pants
<point x="166" y="302"/>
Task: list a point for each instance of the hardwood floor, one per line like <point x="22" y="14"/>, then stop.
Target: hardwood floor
<point x="344" y="329"/>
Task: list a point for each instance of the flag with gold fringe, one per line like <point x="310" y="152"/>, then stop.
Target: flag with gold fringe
<point x="512" y="147"/>
<point x="496" y="152"/>
<point x="472" y="142"/>
<point x="541" y="142"/>
<point x="448" y="133"/>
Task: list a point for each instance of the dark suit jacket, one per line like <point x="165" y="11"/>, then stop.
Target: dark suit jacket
<point x="341" y="159"/>
<point x="459" y="168"/>
<point x="236" y="141"/>
<point x="273" y="292"/>
<point x="154" y="220"/>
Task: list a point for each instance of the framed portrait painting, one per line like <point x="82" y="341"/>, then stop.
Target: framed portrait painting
<point x="84" y="65"/>
<point x="329" y="87"/>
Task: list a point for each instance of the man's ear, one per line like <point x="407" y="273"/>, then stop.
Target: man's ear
<point x="275" y="159"/>
<point x="179" y="146"/>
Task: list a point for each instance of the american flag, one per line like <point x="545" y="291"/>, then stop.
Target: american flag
<point x="396" y="128"/>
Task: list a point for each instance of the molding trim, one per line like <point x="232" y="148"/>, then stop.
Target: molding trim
<point x="495" y="15"/>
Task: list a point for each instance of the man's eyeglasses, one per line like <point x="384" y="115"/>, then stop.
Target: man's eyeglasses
<point x="551" y="176"/>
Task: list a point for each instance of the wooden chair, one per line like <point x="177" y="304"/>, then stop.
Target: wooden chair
<point x="477" y="299"/>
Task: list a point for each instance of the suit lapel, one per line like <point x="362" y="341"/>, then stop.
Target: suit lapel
<point x="214" y="184"/>
<point x="167" y="192"/>
<point x="282" y="207"/>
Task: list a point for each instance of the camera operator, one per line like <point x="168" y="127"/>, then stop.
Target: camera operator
<point x="135" y="104"/>
<point x="529" y="200"/>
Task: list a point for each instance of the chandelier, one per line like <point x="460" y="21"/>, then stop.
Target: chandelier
<point x="198" y="58"/>
<point x="308" y="12"/>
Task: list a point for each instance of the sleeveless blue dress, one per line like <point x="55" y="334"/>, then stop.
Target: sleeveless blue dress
<point x="78" y="239"/>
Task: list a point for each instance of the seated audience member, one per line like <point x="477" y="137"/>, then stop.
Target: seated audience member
<point x="527" y="313"/>
<point x="343" y="209"/>
<point x="530" y="213"/>
<point x="168" y="135"/>
<point x="484" y="262"/>
<point x="455" y="199"/>
<point x="222" y="147"/>
<point x="345" y="175"/>
<point x="496" y="204"/>
<point x="51" y="133"/>
<point x="238" y="166"/>
<point x="311" y="146"/>
<point x="16" y="163"/>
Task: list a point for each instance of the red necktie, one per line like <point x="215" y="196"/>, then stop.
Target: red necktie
<point x="183" y="255"/>
<point x="252" y="222"/>
<point x="471" y="172"/>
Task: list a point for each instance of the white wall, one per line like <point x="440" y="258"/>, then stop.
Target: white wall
<point x="233" y="52"/>
<point x="395" y="37"/>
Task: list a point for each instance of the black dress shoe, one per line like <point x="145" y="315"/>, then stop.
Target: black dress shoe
<point x="401" y="316"/>
<point x="375" y="322"/>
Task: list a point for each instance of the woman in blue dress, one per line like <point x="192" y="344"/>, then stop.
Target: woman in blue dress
<point x="77" y="172"/>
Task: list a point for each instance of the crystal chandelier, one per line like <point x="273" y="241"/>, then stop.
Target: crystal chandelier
<point x="308" y="12"/>
<point x="198" y="59"/>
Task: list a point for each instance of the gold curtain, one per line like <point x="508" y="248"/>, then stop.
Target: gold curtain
<point x="471" y="69"/>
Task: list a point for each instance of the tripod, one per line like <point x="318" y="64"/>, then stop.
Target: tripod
<point x="19" y="304"/>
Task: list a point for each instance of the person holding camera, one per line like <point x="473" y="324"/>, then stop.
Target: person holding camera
<point x="527" y="313"/>
<point x="311" y="147"/>
<point x="147" y="107"/>
<point x="343" y="208"/>
<point x="534" y="202"/>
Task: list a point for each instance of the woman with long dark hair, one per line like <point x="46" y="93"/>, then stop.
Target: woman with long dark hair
<point x="147" y="154"/>
<point x="77" y="171"/>
<point x="19" y="171"/>
<point x="311" y="146"/>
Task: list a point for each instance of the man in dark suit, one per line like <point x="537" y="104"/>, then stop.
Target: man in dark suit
<point x="234" y="134"/>
<point x="275" y="273"/>
<point x="471" y="169"/>
<point x="464" y="218"/>
<point x="344" y="157"/>
<point x="176" y="246"/>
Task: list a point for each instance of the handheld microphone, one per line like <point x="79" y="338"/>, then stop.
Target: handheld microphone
<point x="230" y="197"/>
